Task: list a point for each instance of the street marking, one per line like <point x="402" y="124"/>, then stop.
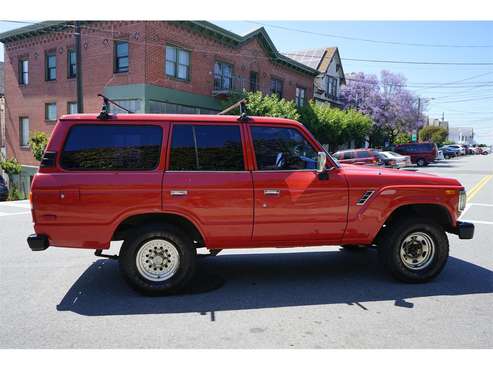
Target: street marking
<point x="2" y="214"/>
<point x="481" y="204"/>
<point x="479" y="222"/>
<point x="478" y="187"/>
<point x="17" y="204"/>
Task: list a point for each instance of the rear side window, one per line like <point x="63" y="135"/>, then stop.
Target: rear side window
<point x="363" y="154"/>
<point x="347" y="155"/>
<point x="206" y="148"/>
<point x="112" y="148"/>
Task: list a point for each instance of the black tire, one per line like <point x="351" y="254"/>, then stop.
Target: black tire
<point x="137" y="238"/>
<point x="389" y="248"/>
<point x="421" y="162"/>
<point x="447" y="157"/>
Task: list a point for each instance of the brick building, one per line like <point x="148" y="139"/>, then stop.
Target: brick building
<point x="147" y="66"/>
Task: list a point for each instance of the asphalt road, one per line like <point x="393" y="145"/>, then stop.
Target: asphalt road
<point x="288" y="298"/>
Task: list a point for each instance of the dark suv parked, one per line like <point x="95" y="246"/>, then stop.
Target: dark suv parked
<point x="4" y="191"/>
<point x="421" y="153"/>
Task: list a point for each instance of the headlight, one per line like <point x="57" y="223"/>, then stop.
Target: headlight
<point x="462" y="200"/>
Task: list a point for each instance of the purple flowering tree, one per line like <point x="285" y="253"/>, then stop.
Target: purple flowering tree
<point x="392" y="107"/>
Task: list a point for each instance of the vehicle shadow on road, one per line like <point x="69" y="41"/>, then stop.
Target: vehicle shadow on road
<point x="272" y="280"/>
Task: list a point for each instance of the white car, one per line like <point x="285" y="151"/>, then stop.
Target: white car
<point x="395" y="160"/>
<point x="440" y="156"/>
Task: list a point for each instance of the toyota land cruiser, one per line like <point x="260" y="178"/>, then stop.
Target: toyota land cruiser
<point x="166" y="185"/>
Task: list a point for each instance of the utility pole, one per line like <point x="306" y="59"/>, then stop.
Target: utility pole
<point x="443" y="116"/>
<point x="415" y="133"/>
<point x="78" y="69"/>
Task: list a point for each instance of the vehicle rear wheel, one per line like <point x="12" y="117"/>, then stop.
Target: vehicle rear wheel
<point x="414" y="250"/>
<point x="157" y="259"/>
<point x="421" y="162"/>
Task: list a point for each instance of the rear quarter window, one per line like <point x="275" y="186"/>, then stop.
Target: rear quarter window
<point x="112" y="148"/>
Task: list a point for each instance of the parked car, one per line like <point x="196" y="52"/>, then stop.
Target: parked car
<point x="449" y="152"/>
<point x="4" y="191"/>
<point x="366" y="156"/>
<point x="394" y="160"/>
<point x="485" y="150"/>
<point x="166" y="185"/>
<point x="460" y="148"/>
<point x="421" y="153"/>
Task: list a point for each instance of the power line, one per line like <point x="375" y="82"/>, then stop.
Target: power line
<point x="420" y="62"/>
<point x="370" y="40"/>
<point x="350" y="59"/>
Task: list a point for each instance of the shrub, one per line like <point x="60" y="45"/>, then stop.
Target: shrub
<point x="37" y="144"/>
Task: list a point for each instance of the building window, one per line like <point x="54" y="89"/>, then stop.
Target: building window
<point x="331" y="86"/>
<point x="253" y="81"/>
<point x="50" y="112"/>
<point x="300" y="96"/>
<point x="177" y="63"/>
<point x="71" y="64"/>
<point x="24" y="131"/>
<point x="223" y="76"/>
<point x="121" y="56"/>
<point x="51" y="66"/>
<point x="72" y="107"/>
<point x="133" y="105"/>
<point x="23" y="72"/>
<point x="276" y="87"/>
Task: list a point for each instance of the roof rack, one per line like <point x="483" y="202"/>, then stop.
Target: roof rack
<point x="105" y="109"/>
<point x="243" y="111"/>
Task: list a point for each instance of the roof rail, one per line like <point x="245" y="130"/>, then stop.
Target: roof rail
<point x="105" y="109"/>
<point x="243" y="111"/>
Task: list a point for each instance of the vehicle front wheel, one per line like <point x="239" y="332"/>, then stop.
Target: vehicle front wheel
<point x="414" y="250"/>
<point x="157" y="259"/>
<point x="421" y="162"/>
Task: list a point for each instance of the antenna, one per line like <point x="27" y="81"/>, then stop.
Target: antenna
<point x="105" y="109"/>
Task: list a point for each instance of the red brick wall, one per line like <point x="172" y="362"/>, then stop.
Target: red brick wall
<point x="146" y="58"/>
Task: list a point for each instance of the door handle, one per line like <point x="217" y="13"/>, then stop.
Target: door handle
<point x="273" y="192"/>
<point x="178" y="193"/>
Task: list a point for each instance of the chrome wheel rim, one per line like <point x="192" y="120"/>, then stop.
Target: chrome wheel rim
<point x="417" y="251"/>
<point x="157" y="260"/>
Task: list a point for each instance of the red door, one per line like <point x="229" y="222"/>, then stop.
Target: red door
<point x="292" y="204"/>
<point x="208" y="183"/>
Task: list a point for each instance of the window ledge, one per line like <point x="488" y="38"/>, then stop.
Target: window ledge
<point x="172" y="78"/>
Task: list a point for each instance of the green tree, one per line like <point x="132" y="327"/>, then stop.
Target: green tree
<point x="37" y="144"/>
<point x="402" y="138"/>
<point x="259" y="104"/>
<point x="435" y="134"/>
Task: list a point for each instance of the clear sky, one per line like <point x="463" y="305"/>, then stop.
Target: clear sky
<point x="466" y="99"/>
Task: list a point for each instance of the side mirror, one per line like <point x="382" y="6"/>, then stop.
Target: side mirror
<point x="321" y="162"/>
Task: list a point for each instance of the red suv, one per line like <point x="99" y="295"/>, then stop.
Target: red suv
<point x="421" y="153"/>
<point x="166" y="185"/>
<point x="359" y="156"/>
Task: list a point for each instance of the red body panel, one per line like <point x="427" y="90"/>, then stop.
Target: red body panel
<point x="230" y="209"/>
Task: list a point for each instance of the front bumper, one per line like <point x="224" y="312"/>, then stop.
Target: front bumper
<point x="465" y="230"/>
<point x="37" y="242"/>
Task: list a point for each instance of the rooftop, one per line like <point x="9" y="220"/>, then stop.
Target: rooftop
<point x="202" y="27"/>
